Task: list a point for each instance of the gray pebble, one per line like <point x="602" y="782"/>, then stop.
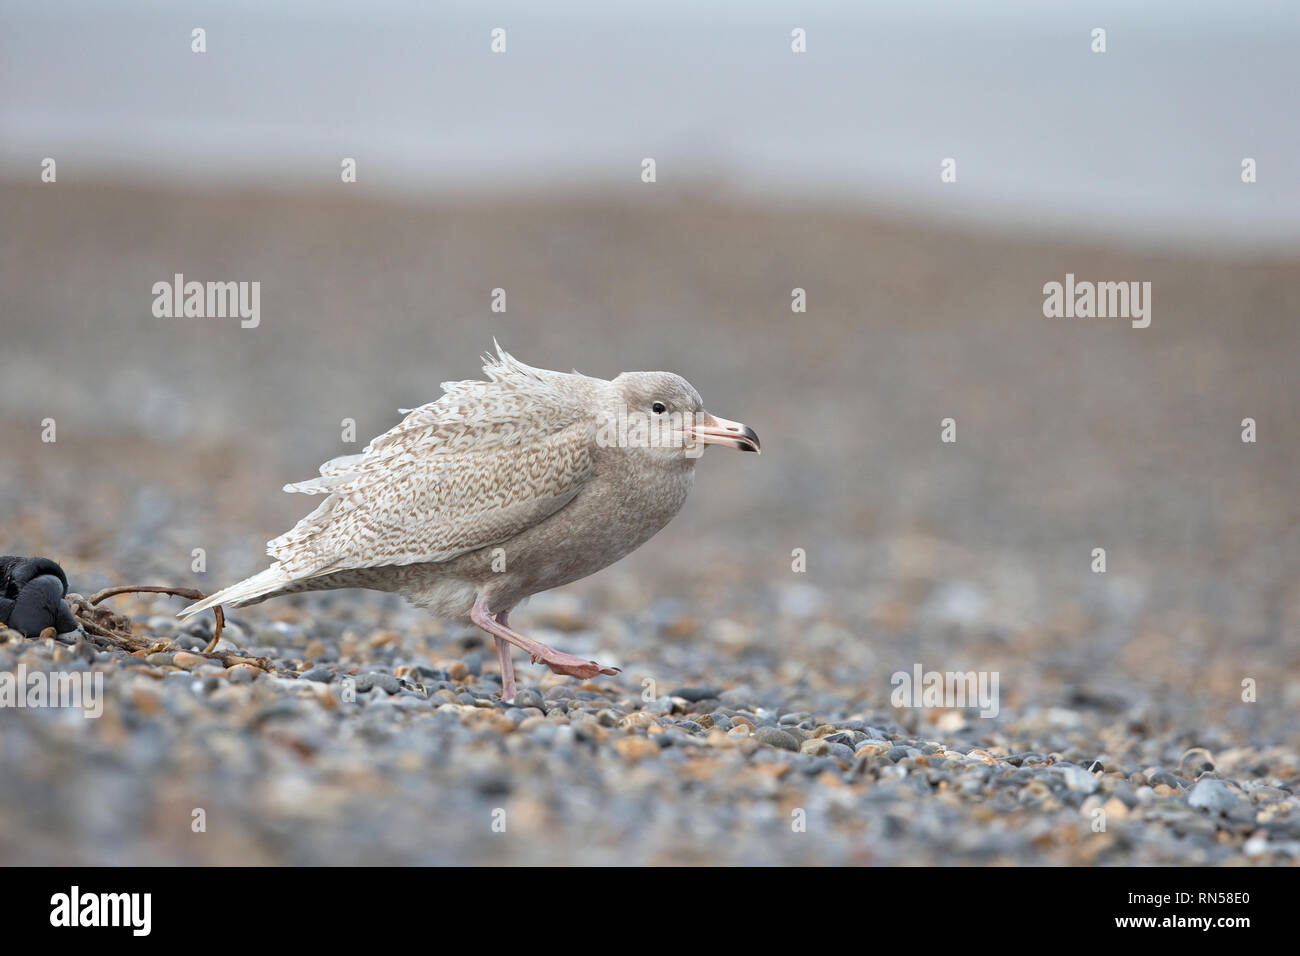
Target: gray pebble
<point x="721" y="720"/>
<point x="388" y="683"/>
<point x="1167" y="778"/>
<point x="528" y="698"/>
<point x="694" y="694"/>
<point x="839" y="750"/>
<point x="1076" y="778"/>
<point x="1211" y="794"/>
<point x="776" y="738"/>
<point x="740" y="698"/>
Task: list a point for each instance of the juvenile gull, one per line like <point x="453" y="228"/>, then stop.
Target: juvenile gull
<point x="496" y="491"/>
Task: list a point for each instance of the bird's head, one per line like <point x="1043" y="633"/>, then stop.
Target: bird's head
<point x="663" y="412"/>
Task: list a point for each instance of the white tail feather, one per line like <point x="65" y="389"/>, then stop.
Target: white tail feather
<point x="272" y="579"/>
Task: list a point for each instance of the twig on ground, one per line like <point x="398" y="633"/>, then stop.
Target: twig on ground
<point x="192" y="593"/>
<point x="98" y="625"/>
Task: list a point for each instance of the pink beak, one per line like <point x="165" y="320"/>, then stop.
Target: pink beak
<point x="710" y="430"/>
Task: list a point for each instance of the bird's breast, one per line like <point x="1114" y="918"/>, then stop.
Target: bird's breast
<point x="606" y="521"/>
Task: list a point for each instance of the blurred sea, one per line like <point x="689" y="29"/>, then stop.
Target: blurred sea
<point x="1143" y="142"/>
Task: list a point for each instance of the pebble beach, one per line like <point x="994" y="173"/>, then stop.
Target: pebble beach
<point x="366" y="747"/>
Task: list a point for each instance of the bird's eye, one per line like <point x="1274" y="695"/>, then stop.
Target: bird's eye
<point x="658" y="408"/>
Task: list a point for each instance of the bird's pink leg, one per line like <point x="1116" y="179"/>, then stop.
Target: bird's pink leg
<point x="507" y="665"/>
<point x="561" y="663"/>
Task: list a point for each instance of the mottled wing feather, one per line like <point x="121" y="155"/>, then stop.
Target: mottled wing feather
<point x="473" y="469"/>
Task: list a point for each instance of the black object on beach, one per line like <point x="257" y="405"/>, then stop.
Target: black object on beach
<point x="32" y="592"/>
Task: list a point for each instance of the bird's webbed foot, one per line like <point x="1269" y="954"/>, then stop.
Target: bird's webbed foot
<point x="570" y="665"/>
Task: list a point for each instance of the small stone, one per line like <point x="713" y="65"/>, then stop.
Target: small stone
<point x="391" y="685"/>
<point x="529" y="698"/>
<point x="146" y="701"/>
<point x="839" y="751"/>
<point x="798" y="733"/>
<point x="1076" y="778"/>
<point x="1214" y="795"/>
<point x="637" y="720"/>
<point x="694" y="694"/>
<point x="244" y="674"/>
<point x="1115" y="809"/>
<point x="1257" y="845"/>
<point x="456" y="669"/>
<point x="740" y="698"/>
<point x="322" y="675"/>
<point x="636" y="749"/>
<point x="188" y="661"/>
<point x="1166" y="778"/>
<point x="849" y="739"/>
<point x="951" y="721"/>
<point x="1267" y="794"/>
<point x="721" y="720"/>
<point x="774" y="737"/>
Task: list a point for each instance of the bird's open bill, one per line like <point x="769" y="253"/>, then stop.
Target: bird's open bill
<point x="711" y="430"/>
